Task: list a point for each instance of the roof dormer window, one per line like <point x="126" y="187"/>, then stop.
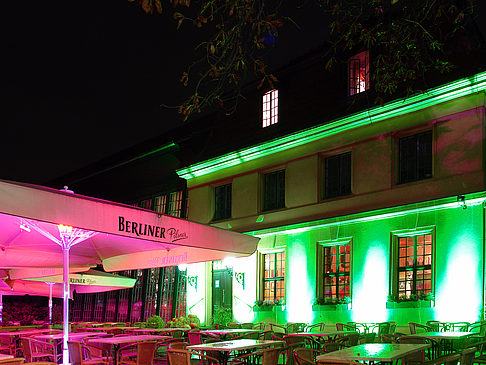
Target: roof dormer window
<point x="358" y="73"/>
<point x="270" y="108"/>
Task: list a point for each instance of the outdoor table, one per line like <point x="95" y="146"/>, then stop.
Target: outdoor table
<point x="57" y="338"/>
<point x="327" y="334"/>
<point x="116" y="342"/>
<point x="156" y="330"/>
<point x="27" y="332"/>
<point x="109" y="329"/>
<point x="228" y="332"/>
<point x="5" y="357"/>
<point x="374" y="352"/>
<point x="446" y="339"/>
<point x="225" y="347"/>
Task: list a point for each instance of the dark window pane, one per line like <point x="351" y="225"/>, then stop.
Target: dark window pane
<point x="222" y="202"/>
<point x="415" y="157"/>
<point x="337" y="175"/>
<point x="274" y="190"/>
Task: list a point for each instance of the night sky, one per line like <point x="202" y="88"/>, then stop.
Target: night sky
<point x="84" y="79"/>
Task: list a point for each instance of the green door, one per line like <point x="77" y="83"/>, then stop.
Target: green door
<point x="222" y="295"/>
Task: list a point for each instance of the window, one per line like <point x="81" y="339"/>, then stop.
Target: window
<point x="172" y="204"/>
<point x="274" y="276"/>
<point x="415" y="157"/>
<point x="222" y="202"/>
<point x="270" y="108"/>
<point x="274" y="190"/>
<point x="413" y="258"/>
<point x="358" y="73"/>
<point x="334" y="270"/>
<point x="337" y="175"/>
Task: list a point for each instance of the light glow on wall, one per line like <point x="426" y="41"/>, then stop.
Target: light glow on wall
<point x="299" y="291"/>
<point x="369" y="298"/>
<point x="458" y="298"/>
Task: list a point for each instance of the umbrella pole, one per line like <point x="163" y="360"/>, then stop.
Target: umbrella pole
<point x="50" y="302"/>
<point x="1" y="307"/>
<point x="65" y="304"/>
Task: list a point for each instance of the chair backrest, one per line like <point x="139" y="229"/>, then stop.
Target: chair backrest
<point x="478" y="327"/>
<point x="194" y="337"/>
<point x="145" y="352"/>
<point x="316" y="327"/>
<point x="270" y="356"/>
<point x="178" y="345"/>
<point x="266" y="335"/>
<point x="14" y="361"/>
<point x="248" y="326"/>
<point x="460" y="326"/>
<point x="234" y="325"/>
<point x="295" y="327"/>
<point x="306" y="356"/>
<point x="467" y="356"/>
<point x="26" y="349"/>
<point x="345" y="327"/>
<point x="414" y="327"/>
<point x="434" y="325"/>
<point x="368" y="337"/>
<point x="278" y="328"/>
<point x="417" y="357"/>
<point x="179" y="357"/>
<point x="259" y="326"/>
<point x="75" y="353"/>
<point x="177" y="333"/>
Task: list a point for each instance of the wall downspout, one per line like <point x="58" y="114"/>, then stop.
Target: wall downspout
<point x="482" y="315"/>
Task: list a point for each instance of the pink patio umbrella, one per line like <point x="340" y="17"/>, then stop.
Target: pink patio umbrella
<point x="46" y="228"/>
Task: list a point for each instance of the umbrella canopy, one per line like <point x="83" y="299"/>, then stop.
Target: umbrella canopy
<point x="46" y="228"/>
<point x="123" y="237"/>
<point x="91" y="281"/>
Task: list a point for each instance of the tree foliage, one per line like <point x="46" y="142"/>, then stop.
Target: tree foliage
<point x="406" y="38"/>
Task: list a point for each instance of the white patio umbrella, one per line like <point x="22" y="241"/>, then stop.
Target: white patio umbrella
<point x="46" y="228"/>
<point x="91" y="281"/>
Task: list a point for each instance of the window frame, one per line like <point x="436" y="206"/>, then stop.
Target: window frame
<point x="356" y="90"/>
<point x="324" y="158"/>
<point x="279" y="201"/>
<point x="398" y="169"/>
<point x="394" y="265"/>
<point x="320" y="274"/>
<point x="228" y="215"/>
<point x="261" y="273"/>
<point x="270" y="106"/>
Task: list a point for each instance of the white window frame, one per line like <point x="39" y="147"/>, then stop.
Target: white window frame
<point x="270" y="108"/>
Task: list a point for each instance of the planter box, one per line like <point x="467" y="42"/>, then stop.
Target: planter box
<point x="410" y="304"/>
<point x="330" y="307"/>
<point x="266" y="308"/>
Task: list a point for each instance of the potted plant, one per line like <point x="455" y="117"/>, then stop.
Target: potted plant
<point x="267" y="305"/>
<point x="331" y="304"/>
<point x="412" y="301"/>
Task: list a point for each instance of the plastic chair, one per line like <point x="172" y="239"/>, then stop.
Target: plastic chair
<point x="144" y="353"/>
<point x="306" y="356"/>
<point x="183" y="357"/>
<point x="80" y="354"/>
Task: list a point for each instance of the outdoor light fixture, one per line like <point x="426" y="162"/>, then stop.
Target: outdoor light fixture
<point x="192" y="281"/>
<point x="240" y="278"/>
<point x="461" y="201"/>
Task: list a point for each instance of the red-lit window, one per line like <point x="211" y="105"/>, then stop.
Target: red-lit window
<point x="358" y="73"/>
<point x="274" y="276"/>
<point x="336" y="260"/>
<point x="175" y="204"/>
<point x="270" y="108"/>
<point x="414" y="269"/>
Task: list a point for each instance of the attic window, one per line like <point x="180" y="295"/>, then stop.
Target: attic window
<point x="270" y="108"/>
<point x="358" y="73"/>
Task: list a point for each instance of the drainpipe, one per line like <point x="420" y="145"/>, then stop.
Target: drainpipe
<point x="484" y="264"/>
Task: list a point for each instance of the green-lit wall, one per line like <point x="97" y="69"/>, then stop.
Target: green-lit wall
<point x="458" y="263"/>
